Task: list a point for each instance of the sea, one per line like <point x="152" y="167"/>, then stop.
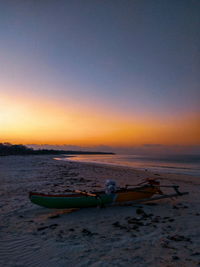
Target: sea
<point x="179" y="164"/>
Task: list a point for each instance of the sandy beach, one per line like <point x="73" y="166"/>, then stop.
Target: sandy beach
<point x="163" y="233"/>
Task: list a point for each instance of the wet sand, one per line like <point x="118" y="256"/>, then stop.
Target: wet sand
<point x="161" y="233"/>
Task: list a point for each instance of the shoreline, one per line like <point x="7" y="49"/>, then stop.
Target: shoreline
<point x="163" y="169"/>
<point x="180" y="177"/>
<point x="164" y="233"/>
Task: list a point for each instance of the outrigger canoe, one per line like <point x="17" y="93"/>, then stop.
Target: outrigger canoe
<point x="80" y="199"/>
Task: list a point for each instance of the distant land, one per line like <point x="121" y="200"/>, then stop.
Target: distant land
<point x="142" y="149"/>
<point x="7" y="149"/>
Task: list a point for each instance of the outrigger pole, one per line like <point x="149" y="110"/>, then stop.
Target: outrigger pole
<point x="162" y="195"/>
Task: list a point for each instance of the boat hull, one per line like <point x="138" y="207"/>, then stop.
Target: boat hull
<point x="133" y="195"/>
<point x="65" y="201"/>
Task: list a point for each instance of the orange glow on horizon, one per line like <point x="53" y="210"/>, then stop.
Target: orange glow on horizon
<point x="42" y="122"/>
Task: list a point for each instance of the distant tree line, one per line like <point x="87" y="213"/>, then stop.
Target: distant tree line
<point x="9" y="149"/>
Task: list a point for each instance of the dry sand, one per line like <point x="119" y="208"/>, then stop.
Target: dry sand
<point x="166" y="233"/>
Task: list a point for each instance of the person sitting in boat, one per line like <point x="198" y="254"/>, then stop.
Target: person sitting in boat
<point x="110" y="187"/>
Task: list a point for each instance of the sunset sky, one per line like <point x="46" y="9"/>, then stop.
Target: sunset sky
<point x="118" y="73"/>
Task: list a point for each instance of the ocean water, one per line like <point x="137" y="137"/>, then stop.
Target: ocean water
<point x="182" y="164"/>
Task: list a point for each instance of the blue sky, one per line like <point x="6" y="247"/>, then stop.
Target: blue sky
<point x="134" y="58"/>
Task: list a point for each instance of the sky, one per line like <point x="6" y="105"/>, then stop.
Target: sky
<point x="113" y="73"/>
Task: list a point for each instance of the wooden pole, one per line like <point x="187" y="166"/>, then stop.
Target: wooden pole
<point x="85" y="193"/>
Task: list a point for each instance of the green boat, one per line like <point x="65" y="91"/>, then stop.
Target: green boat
<point x="82" y="199"/>
<point x="65" y="201"/>
<point x="79" y="199"/>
